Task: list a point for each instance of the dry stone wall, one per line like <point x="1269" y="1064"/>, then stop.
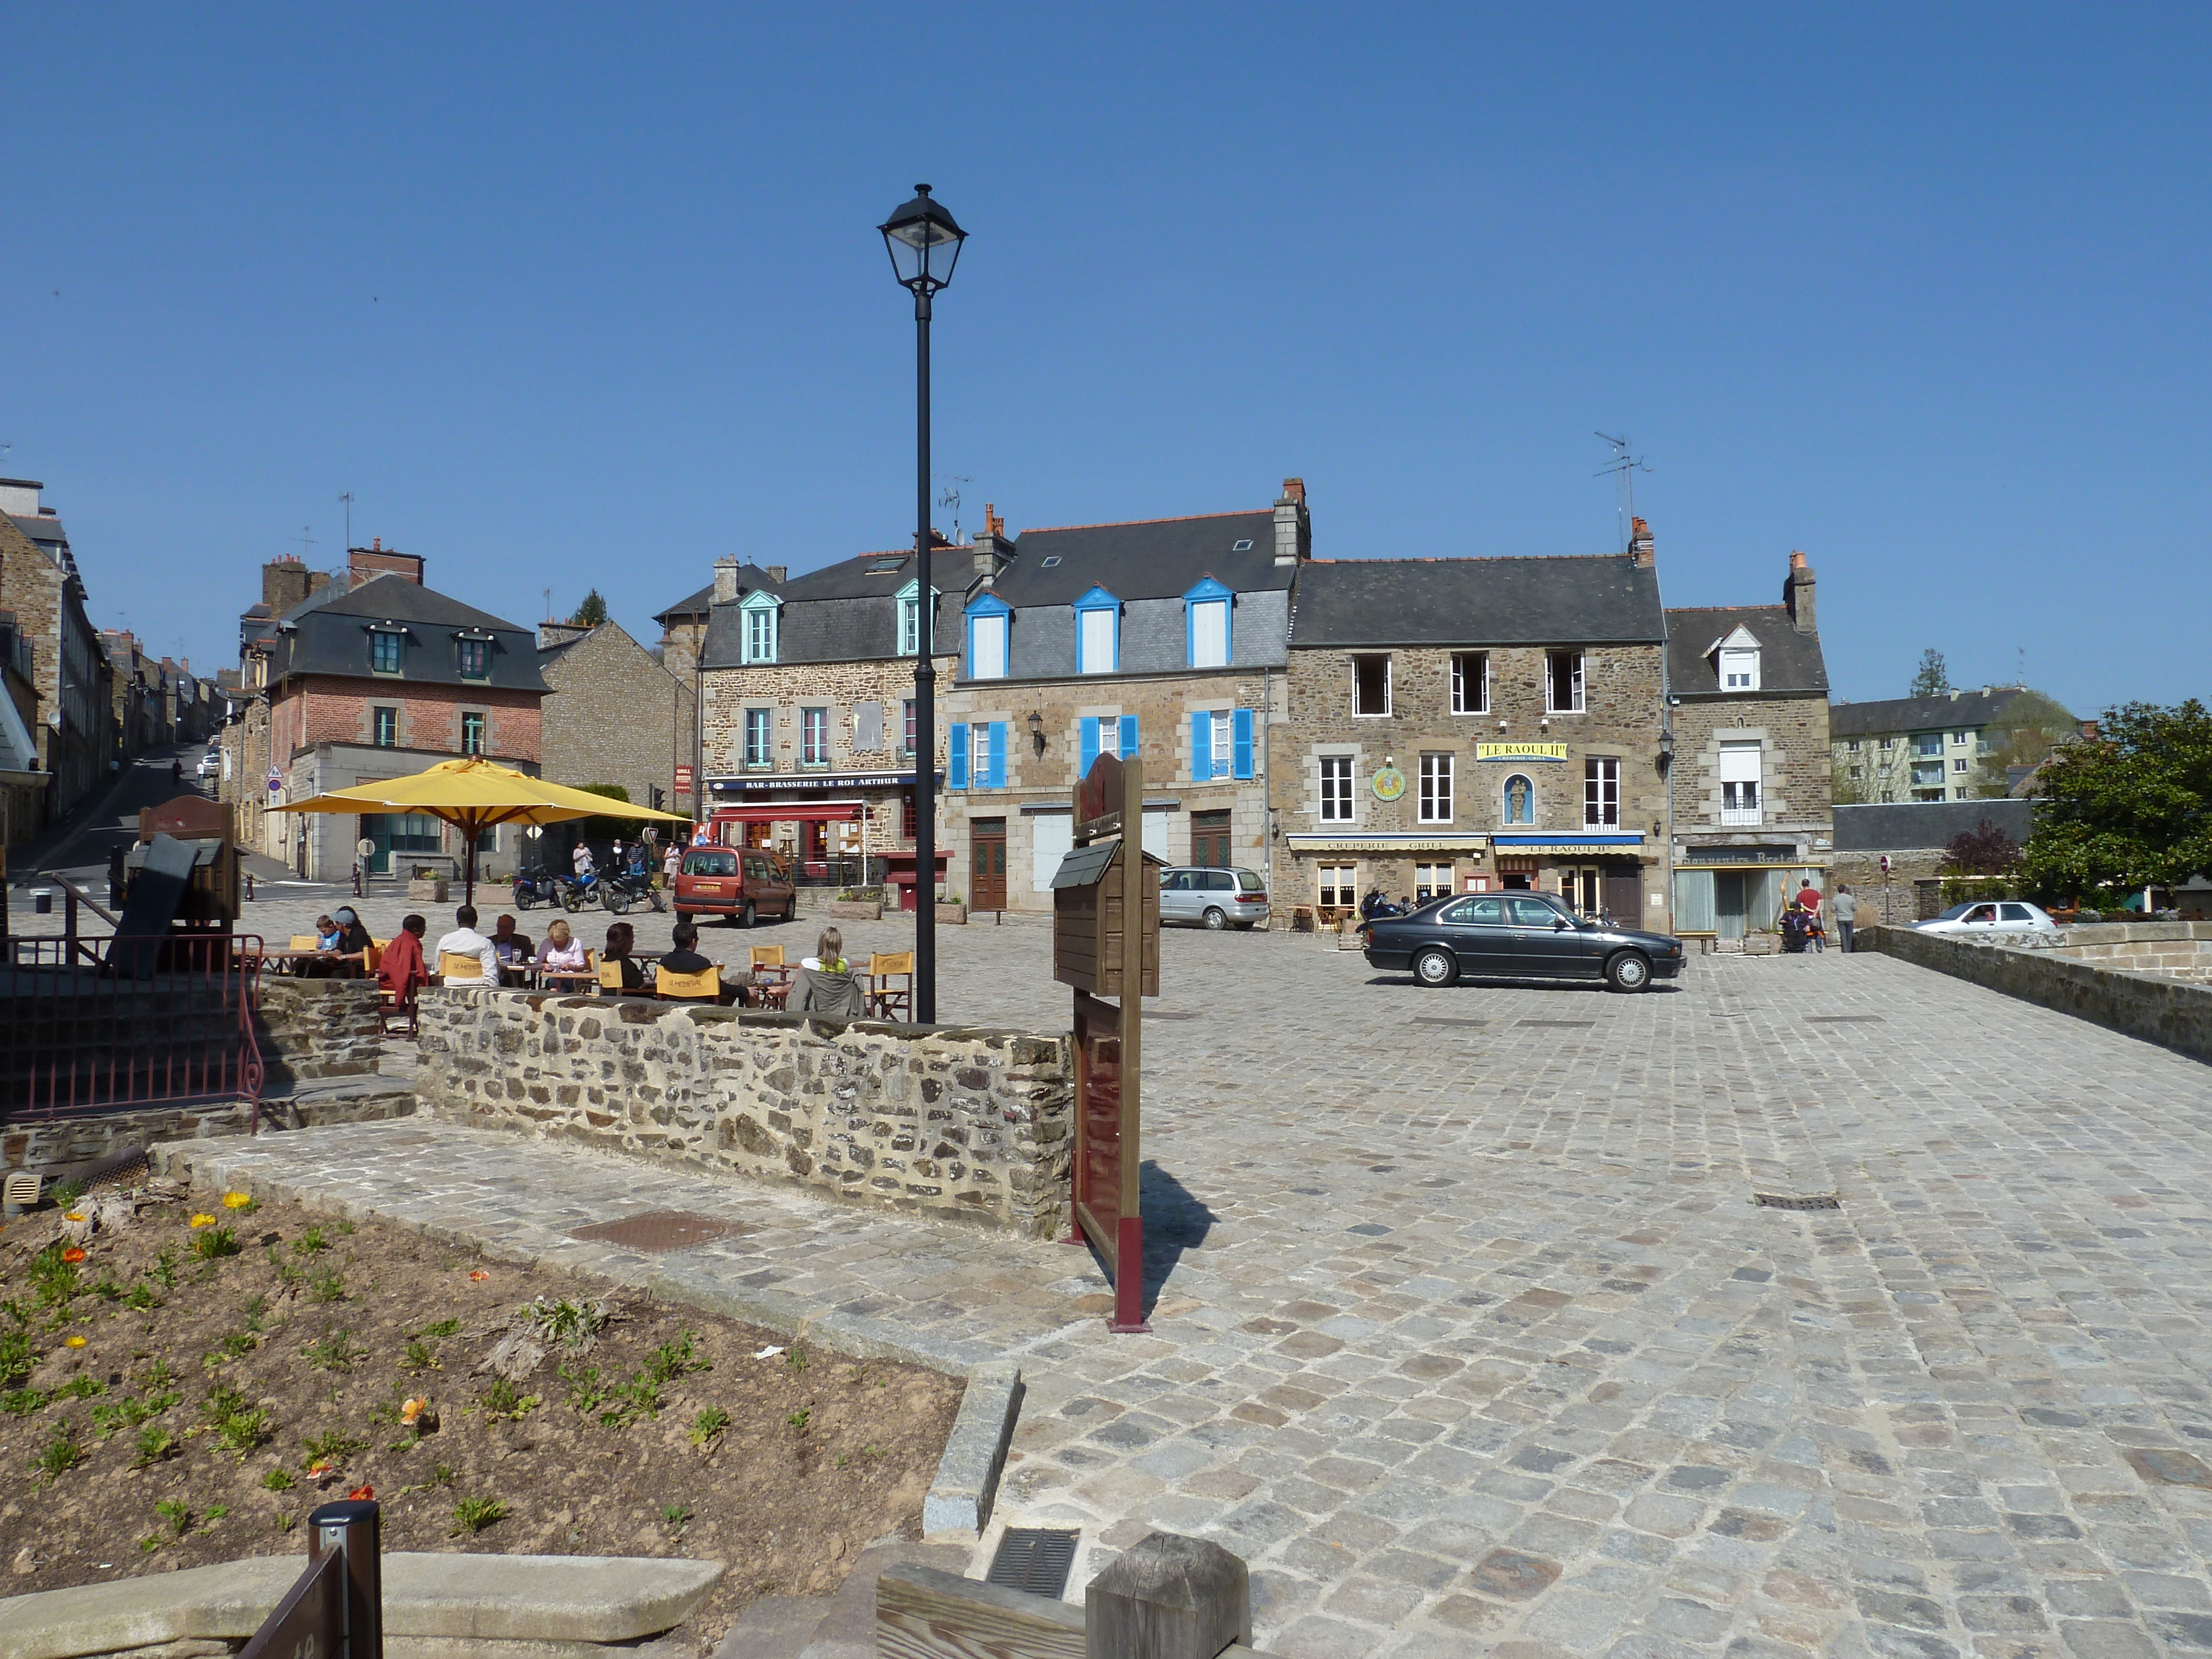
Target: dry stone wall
<point x="961" y="1123"/>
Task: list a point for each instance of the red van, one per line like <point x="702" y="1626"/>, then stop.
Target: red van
<point x="741" y="882"/>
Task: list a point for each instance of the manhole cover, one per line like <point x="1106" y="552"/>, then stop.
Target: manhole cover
<point x="1033" y="1559"/>
<point x="659" y="1230"/>
<point x="1843" y="1020"/>
<point x="1793" y="1201"/>
<point x="1559" y="1025"/>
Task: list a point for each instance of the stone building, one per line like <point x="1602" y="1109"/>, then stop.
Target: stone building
<point x="1747" y="705"/>
<point x="22" y="784"/>
<point x="1460" y="725"/>
<point x="39" y="583"/>
<point x="372" y="674"/>
<point x="1909" y="749"/>
<point x="612" y="713"/>
<point x="1915" y="837"/>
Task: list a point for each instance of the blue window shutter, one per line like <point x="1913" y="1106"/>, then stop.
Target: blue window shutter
<point x="1128" y="737"/>
<point x="1201" y="746"/>
<point x="956" y="768"/>
<point x="997" y="780"/>
<point x="1090" y="743"/>
<point x="1243" y="750"/>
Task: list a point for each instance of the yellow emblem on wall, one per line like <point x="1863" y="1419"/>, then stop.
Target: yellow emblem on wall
<point x="1390" y="783"/>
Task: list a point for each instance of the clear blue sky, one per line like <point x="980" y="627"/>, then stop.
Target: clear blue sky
<point x="571" y="296"/>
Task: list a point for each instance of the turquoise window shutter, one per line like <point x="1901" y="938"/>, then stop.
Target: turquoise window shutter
<point x="1201" y="746"/>
<point x="1241" y="750"/>
<point x="1128" y="737"/>
<point x="997" y="780"/>
<point x="956" y="769"/>
<point x="1089" y="744"/>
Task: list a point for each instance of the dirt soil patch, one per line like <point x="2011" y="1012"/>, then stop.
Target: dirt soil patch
<point x="187" y="1394"/>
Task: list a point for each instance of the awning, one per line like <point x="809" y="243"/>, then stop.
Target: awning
<point x="1388" y="840"/>
<point x="1595" y="853"/>
<point x="797" y="811"/>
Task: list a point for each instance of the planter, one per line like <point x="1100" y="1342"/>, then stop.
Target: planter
<point x="1760" y="945"/>
<point x="852" y="910"/>
<point x="432" y="891"/>
<point x="955" y="915"/>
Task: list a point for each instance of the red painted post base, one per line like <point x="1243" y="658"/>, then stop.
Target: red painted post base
<point x="1128" y="1318"/>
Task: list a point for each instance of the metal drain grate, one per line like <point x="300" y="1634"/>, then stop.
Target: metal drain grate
<point x="1036" y="1559"/>
<point x="661" y="1231"/>
<point x="1559" y="1025"/>
<point x="1792" y="1201"/>
<point x="1843" y="1020"/>
<point x="1445" y="1019"/>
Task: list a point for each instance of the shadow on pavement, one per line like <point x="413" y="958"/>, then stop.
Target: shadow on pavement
<point x="1174" y="1221"/>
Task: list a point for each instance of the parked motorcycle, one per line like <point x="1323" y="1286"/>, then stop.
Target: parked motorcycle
<point x="624" y="888"/>
<point x="535" y="887"/>
<point x="577" y="891"/>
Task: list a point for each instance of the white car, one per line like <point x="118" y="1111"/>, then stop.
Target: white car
<point x="1991" y="916"/>
<point x="210" y="765"/>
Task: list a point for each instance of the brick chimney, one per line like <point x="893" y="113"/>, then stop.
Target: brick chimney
<point x="778" y="574"/>
<point x="365" y="564"/>
<point x="1293" y="526"/>
<point x="993" y="551"/>
<point x="1641" y="552"/>
<point x="1798" y="594"/>
<point x="726" y="582"/>
<point x="559" y="633"/>
<point x="285" y="583"/>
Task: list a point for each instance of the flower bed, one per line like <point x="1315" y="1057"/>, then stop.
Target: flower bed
<point x="181" y="1386"/>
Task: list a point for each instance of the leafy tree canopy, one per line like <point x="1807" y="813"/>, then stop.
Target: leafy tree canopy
<point x="591" y="613"/>
<point x="1984" y="850"/>
<point x="2132" y="807"/>
<point x="1934" y="679"/>
<point x="2031" y="726"/>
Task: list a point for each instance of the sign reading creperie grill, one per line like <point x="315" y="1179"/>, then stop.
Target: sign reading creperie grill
<point x="683" y="780"/>
<point x="1520" y="751"/>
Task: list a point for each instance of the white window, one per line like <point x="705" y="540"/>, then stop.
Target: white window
<point x="1222" y="742"/>
<point x="1470" y="683"/>
<point x="1336" y="788"/>
<point x="1739" y="780"/>
<point x="1339" y="884"/>
<point x="1738" y="669"/>
<point x="1094" y="641"/>
<point x="1958" y="739"/>
<point x="1209" y="633"/>
<point x="1436" y="789"/>
<point x="1959" y="763"/>
<point x="760" y="750"/>
<point x="1601" y="794"/>
<point x="1853" y="745"/>
<point x="1563" y="682"/>
<point x="989" y="658"/>
<point x="814" y="736"/>
<point x="1431" y="880"/>
<point x="1371" y="685"/>
<point x="760" y="634"/>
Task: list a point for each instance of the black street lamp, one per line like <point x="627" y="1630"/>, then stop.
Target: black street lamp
<point x="924" y="244"/>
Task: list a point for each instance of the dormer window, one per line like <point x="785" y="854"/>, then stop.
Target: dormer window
<point x="989" y="618"/>
<point x="909" y="620"/>
<point x="761" y="612"/>
<point x="386" y="648"/>
<point x="475" y="659"/>
<point x="1738" y="661"/>
<point x="1097" y="633"/>
<point x="1205" y="624"/>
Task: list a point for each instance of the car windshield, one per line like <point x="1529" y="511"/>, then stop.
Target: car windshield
<point x="1250" y="882"/>
<point x="1955" y="913"/>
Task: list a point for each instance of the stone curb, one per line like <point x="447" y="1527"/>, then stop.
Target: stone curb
<point x="527" y="1600"/>
<point x="967" y="1474"/>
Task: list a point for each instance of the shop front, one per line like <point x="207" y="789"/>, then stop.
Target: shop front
<point x="1335" y="871"/>
<point x="832" y="830"/>
<point x="1726" y="892"/>
<point x="1600" y="872"/>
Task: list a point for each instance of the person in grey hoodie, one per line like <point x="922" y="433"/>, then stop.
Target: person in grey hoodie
<point x="824" y="983"/>
<point x="1845" y="907"/>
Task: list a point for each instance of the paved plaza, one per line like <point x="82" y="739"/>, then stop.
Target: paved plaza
<point x="1469" y="1335"/>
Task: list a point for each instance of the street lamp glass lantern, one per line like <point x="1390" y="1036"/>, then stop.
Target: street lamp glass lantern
<point x="924" y="243"/>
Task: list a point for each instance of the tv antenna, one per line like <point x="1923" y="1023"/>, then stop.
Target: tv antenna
<point x="949" y="496"/>
<point x="347" y="497"/>
<point x="306" y="542"/>
<point x="1623" y="469"/>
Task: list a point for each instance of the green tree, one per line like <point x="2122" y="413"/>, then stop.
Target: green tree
<point x="1934" y="679"/>
<point x="591" y="613"/>
<point x="2131" y="808"/>
<point x="2030" y="727"/>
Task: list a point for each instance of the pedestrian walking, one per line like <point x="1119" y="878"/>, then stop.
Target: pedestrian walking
<point x="1846" y="907"/>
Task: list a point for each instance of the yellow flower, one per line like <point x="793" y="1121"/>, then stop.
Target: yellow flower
<point x="236" y="1200"/>
<point x="72" y="1215"/>
<point x="203" y="1221"/>
<point x="411" y="1410"/>
<point x="72" y="1342"/>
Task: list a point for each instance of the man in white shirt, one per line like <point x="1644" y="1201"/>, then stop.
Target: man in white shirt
<point x="466" y="941"/>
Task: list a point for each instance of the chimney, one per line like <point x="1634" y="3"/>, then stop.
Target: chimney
<point x="994" y="552"/>
<point x="726" y="582"/>
<point x="559" y="633"/>
<point x="778" y="574"/>
<point x="1293" y="527"/>
<point x="366" y="563"/>
<point x="1798" y="594"/>
<point x="1641" y="552"/>
<point x="285" y="583"/>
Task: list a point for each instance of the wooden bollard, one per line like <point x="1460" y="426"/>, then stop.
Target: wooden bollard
<point x="1169" y="1597"/>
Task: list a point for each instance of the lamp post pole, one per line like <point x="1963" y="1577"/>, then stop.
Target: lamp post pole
<point x="924" y="244"/>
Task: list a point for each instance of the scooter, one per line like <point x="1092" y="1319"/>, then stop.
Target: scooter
<point x="535" y="887"/>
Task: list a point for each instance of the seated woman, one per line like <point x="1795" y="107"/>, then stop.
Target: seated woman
<point x="354" y="943"/>
<point x="824" y="983"/>
<point x="562" y="951"/>
<point x="622" y="939"/>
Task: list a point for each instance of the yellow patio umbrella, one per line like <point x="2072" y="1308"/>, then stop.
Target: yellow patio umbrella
<point x="473" y="795"/>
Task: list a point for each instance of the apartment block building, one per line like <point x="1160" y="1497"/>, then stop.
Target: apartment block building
<point x="1909" y="749"/>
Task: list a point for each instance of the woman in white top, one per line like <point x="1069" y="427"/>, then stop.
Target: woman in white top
<point x="561" y="951"/>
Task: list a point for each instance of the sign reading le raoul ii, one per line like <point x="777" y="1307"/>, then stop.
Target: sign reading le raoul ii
<point x="1512" y="752"/>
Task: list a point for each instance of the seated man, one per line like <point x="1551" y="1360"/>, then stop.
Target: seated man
<point x="685" y="959"/>
<point x="466" y="941"/>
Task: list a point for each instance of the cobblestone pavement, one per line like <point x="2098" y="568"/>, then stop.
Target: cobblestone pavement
<point x="1469" y="1335"/>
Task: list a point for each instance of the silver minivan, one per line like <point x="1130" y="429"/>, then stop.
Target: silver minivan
<point x="1199" y="898"/>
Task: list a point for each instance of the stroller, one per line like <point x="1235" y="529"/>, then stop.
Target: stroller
<point x="1797" y="931"/>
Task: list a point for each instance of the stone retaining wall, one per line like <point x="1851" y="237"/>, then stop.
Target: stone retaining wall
<point x="316" y="1027"/>
<point x="951" y="1121"/>
<point x="2168" y="1012"/>
<point x="2170" y="950"/>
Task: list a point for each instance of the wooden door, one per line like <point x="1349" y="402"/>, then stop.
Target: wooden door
<point x="1624" y="895"/>
<point x="1209" y="840"/>
<point x="987" y="851"/>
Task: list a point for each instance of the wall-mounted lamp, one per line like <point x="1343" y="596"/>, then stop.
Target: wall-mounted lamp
<point x="1501" y="723"/>
<point x="1666" y="750"/>
<point x="1037" y="731"/>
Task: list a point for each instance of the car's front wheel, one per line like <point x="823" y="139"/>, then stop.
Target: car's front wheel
<point x="1436" y="966"/>
<point x="1628" y="971"/>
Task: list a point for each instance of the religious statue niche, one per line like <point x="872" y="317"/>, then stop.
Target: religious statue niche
<point x="1520" y="800"/>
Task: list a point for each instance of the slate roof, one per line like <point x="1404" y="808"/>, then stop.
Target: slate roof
<point x="1150" y="559"/>
<point x="1787" y="660"/>
<point x="394" y="599"/>
<point x="750" y="576"/>
<point x="1594" y="599"/>
<point x="324" y="634"/>
<point x="1966" y="709"/>
<point x="1892" y="826"/>
<point x="858" y="578"/>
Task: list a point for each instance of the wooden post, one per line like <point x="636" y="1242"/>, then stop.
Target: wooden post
<point x="1169" y="1597"/>
<point x="1129" y="1270"/>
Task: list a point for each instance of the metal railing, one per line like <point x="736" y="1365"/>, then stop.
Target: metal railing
<point x="335" y="1609"/>
<point x="90" y="1025"/>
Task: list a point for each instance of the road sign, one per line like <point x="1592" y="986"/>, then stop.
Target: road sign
<point x="684" y="780"/>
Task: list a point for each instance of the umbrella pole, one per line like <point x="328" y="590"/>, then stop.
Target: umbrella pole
<point x="469" y="882"/>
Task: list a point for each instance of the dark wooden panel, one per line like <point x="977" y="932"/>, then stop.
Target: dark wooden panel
<point x="923" y="1613"/>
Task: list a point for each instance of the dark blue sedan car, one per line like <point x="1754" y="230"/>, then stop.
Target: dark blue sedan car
<point x="1517" y="936"/>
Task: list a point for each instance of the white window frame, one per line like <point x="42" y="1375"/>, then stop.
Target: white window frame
<point x="1434" y="805"/>
<point x="1095" y="655"/>
<point x="1205" y="615"/>
<point x="1346" y="885"/>
<point x="988" y="637"/>
<point x="1480" y="705"/>
<point x="1601" y="791"/>
<point x="1580" y="697"/>
<point x="1388" y="666"/>
<point x="1739" y="668"/>
<point x="1339" y="799"/>
<point x="814" y="736"/>
<point x="1960" y="763"/>
<point x="760" y="634"/>
<point x="1740" y="795"/>
<point x="764" y="759"/>
<point x="1433" y="880"/>
<point x="1221" y="742"/>
<point x="909" y="625"/>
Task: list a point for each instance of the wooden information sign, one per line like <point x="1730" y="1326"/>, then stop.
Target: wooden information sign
<point x="1106" y="943"/>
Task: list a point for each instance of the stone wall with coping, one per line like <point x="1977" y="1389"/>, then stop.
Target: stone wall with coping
<point x="2170" y="950"/>
<point x="316" y="1027"/>
<point x="2171" y="1012"/>
<point x="958" y="1123"/>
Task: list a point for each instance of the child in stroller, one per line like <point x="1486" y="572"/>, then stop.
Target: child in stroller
<point x="1796" y="929"/>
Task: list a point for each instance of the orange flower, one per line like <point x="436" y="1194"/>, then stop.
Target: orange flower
<point x="321" y="1466"/>
<point x="362" y="1494"/>
<point x="73" y="1215"/>
<point x="477" y="1275"/>
<point x="410" y="1410"/>
<point x="73" y="1254"/>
